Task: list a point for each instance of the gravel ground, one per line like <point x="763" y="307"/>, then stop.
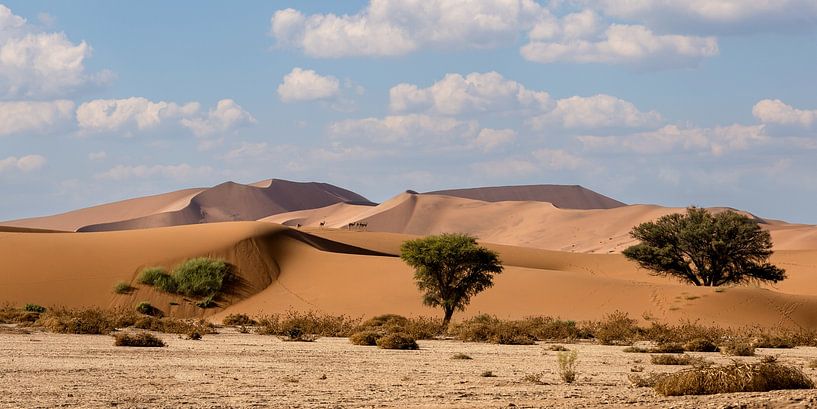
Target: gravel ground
<point x="226" y="370"/>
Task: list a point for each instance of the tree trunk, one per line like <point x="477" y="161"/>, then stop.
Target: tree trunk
<point x="447" y="319"/>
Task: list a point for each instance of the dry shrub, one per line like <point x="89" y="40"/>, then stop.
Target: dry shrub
<point x="552" y="329"/>
<point x="557" y="348"/>
<point x="487" y="328"/>
<point x="174" y="325"/>
<point x="616" y="329"/>
<point x="535" y="378"/>
<point x="738" y="348"/>
<point x="812" y="363"/>
<point x="367" y="338"/>
<point x="238" y="320"/>
<point x="670" y="360"/>
<point x="397" y="340"/>
<point x="141" y="339"/>
<point x="701" y="345"/>
<point x="771" y="341"/>
<point x="684" y="332"/>
<point x="87" y="321"/>
<point x="567" y="366"/>
<point x="635" y="350"/>
<point x="417" y="328"/>
<point x="310" y="323"/>
<point x="644" y="381"/>
<point x="668" y="348"/>
<point x="11" y="315"/>
<point x="737" y="377"/>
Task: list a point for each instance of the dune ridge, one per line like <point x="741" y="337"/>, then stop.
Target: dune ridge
<point x="561" y="196"/>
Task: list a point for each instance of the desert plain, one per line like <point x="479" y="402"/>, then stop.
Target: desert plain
<point x="316" y="247"/>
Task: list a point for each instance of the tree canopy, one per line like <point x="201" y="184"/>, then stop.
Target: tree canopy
<point x="450" y="269"/>
<point x="706" y="249"/>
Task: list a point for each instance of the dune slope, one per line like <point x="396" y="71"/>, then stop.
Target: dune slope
<point x="561" y="196"/>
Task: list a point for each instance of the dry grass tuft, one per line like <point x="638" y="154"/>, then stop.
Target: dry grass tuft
<point x="397" y="340"/>
<point x="366" y="338"/>
<point x="616" y="329"/>
<point x="701" y="345"/>
<point x="567" y="366"/>
<point x="668" y="348"/>
<point x="461" y="356"/>
<point x="310" y="323"/>
<point x="141" y="339"/>
<point x="737" y="377"/>
<point x="557" y="348"/>
<point x="768" y="341"/>
<point x="738" y="348"/>
<point x="174" y="325"/>
<point x="671" y="360"/>
<point x="238" y="320"/>
<point x="87" y="321"/>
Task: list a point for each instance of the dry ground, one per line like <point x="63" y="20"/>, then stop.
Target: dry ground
<point x="246" y="370"/>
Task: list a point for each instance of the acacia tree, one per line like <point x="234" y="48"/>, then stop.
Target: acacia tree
<point x="450" y="269"/>
<point x="705" y="249"/>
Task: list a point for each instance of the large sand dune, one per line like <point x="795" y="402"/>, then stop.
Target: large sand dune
<point x="356" y="273"/>
<point x="561" y="196"/>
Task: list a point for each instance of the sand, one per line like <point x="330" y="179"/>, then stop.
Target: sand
<point x="235" y="370"/>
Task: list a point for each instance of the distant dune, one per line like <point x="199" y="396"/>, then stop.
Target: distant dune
<point x="226" y="202"/>
<point x="561" y="196"/>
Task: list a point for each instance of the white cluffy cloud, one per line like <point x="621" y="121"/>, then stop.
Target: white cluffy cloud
<point x="403" y="128"/>
<point x="489" y="139"/>
<point x="775" y="111"/>
<point x="476" y="92"/>
<point x="140" y="114"/>
<point x="26" y="163"/>
<point x="182" y="171"/>
<point x="398" y="27"/>
<point x="19" y="117"/>
<point x="36" y="64"/>
<point x="490" y="92"/>
<point x="307" y="85"/>
<point x="671" y="138"/>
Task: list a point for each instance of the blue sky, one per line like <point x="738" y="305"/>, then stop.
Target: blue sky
<point x="671" y="102"/>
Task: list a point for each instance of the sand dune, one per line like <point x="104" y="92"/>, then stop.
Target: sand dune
<point x="226" y="202"/>
<point x="521" y="223"/>
<point x="348" y="272"/>
<point x="561" y="196"/>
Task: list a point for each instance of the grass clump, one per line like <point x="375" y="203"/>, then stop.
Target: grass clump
<point x="207" y="302"/>
<point x="738" y="348"/>
<point x="123" y="287"/>
<point x="366" y="337"/>
<point x="701" y="345"/>
<point x="147" y="308"/>
<point x="201" y="276"/>
<point x="87" y="321"/>
<point x="238" y="320"/>
<point x="461" y="356"/>
<point x="397" y="340"/>
<point x="737" y="377"/>
<point x="39" y="309"/>
<point x="142" y="339"/>
<point x="153" y="276"/>
<point x="670" y="360"/>
<point x="566" y="362"/>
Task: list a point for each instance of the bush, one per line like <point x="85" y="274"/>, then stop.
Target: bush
<point x="557" y="348"/>
<point x="152" y="275"/>
<point x="368" y="338"/>
<point x="174" y="325"/>
<point x="636" y="350"/>
<point x="39" y="309"/>
<point x="737" y="377"/>
<point x="487" y="328"/>
<point x="616" y="329"/>
<point x="146" y="308"/>
<point x="122" y="288"/>
<point x="669" y="348"/>
<point x="670" y="360"/>
<point x="772" y="342"/>
<point x="417" y="328"/>
<point x="397" y="340"/>
<point x="238" y="320"/>
<point x="201" y="276"/>
<point x="738" y="348"/>
<point x="567" y="366"/>
<point x="701" y="345"/>
<point x="11" y="315"/>
<point x="88" y="321"/>
<point x="142" y="339"/>
<point x="308" y="323"/>
<point x="550" y="329"/>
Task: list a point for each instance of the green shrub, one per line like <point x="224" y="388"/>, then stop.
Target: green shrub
<point x="122" y="288"/>
<point x="701" y="345"/>
<point x="737" y="377"/>
<point x="567" y="366"/>
<point x="151" y="275"/>
<point x="365" y="337"/>
<point x="397" y="340"/>
<point x="201" y="276"/>
<point x="39" y="309"/>
<point x="207" y="302"/>
<point x="238" y="320"/>
<point x="670" y="360"/>
<point x="146" y="308"/>
<point x="142" y="339"/>
<point x="738" y="348"/>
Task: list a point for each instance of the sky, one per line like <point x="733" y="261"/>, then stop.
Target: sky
<point x="669" y="102"/>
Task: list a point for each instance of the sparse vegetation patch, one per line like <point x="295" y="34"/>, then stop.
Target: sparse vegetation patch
<point x="141" y="339"/>
<point x="737" y="377"/>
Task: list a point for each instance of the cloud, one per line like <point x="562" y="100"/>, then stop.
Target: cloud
<point x="775" y="111"/>
<point x="28" y="163"/>
<point x="407" y="129"/>
<point x="101" y="155"/>
<point x="226" y="116"/>
<point x="489" y="139"/>
<point x="140" y="113"/>
<point x="598" y="111"/>
<point x="619" y="44"/>
<point x="398" y="27"/>
<point x="558" y="159"/>
<point x="179" y="172"/>
<point x="476" y="92"/>
<point x="307" y="85"/>
<point x="504" y="168"/>
<point x="37" y="64"/>
<point x="708" y="16"/>
<point x="34" y="117"/>
<point x="672" y="139"/>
